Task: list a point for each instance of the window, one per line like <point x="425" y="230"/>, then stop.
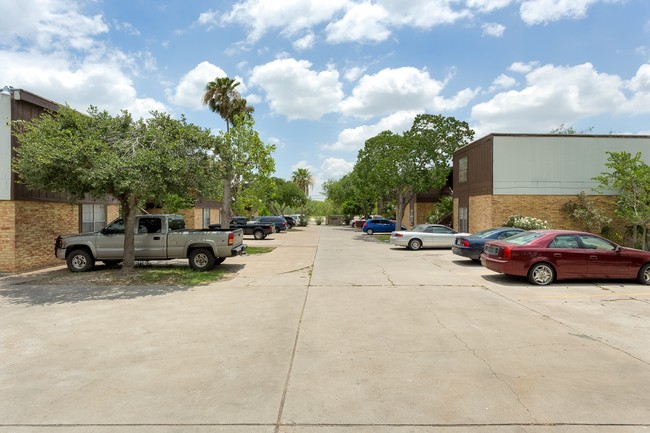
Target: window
<point x="564" y="241"/>
<point x="93" y="217"/>
<point x="149" y="225"/>
<point x="462" y="219"/>
<point x="462" y="170"/>
<point x="594" y="243"/>
<point x="206" y="217"/>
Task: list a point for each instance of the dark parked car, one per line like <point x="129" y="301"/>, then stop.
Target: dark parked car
<point x="259" y="231"/>
<point x="291" y="222"/>
<point x="472" y="246"/>
<point x="548" y="255"/>
<point x="279" y="222"/>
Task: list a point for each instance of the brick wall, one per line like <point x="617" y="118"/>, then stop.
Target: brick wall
<point x="7" y="236"/>
<point x="481" y="213"/>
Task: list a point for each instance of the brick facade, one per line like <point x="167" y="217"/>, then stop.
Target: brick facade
<point x="28" y="230"/>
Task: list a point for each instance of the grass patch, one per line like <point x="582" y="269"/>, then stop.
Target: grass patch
<point x="259" y="250"/>
<point x="382" y="238"/>
<point x="181" y="276"/>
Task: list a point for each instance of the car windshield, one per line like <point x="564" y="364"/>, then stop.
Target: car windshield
<point x="419" y="228"/>
<point x="524" y="238"/>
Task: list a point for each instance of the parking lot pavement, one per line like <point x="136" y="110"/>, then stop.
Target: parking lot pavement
<point x="332" y="331"/>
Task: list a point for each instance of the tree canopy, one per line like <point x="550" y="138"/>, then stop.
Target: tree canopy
<point x="630" y="179"/>
<point x="103" y="155"/>
<point x="393" y="166"/>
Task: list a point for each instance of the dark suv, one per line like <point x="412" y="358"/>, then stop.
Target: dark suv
<point x="279" y="222"/>
<point x="291" y="222"/>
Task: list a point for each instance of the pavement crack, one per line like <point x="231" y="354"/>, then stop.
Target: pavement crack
<point x="485" y="362"/>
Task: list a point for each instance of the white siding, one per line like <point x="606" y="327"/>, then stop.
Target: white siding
<point x="5" y="147"/>
<point x="556" y="165"/>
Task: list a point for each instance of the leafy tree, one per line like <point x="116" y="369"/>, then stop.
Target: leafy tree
<point x="346" y="195"/>
<point x="222" y="97"/>
<point x="242" y="160"/>
<point x="304" y="179"/>
<point x="99" y="154"/>
<point x="630" y="179"/>
<point x="584" y="212"/>
<point x="442" y="210"/>
<point x="285" y="195"/>
<point x="400" y="166"/>
<point x="562" y="129"/>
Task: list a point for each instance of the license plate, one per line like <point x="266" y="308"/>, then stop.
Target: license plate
<point x="492" y="250"/>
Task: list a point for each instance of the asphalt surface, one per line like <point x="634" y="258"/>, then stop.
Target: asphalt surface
<point x="332" y="331"/>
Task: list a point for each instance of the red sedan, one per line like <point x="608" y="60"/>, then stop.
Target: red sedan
<point x="547" y="255"/>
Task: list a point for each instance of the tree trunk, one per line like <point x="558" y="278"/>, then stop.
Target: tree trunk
<point x="226" y="205"/>
<point x="130" y="210"/>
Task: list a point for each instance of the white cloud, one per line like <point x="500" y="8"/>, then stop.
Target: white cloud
<point x="545" y="11"/>
<point x="353" y="139"/>
<point x="488" y="5"/>
<point x="363" y="22"/>
<point x="493" y="29"/>
<point x="294" y="90"/>
<point x="290" y="17"/>
<point x="640" y="85"/>
<point x="354" y="73"/>
<point x="48" y="25"/>
<point x="335" y="168"/>
<point x="503" y="82"/>
<point x="553" y="95"/>
<point x="392" y="90"/>
<point x="523" y="68"/>
<point x="304" y="43"/>
<point x="190" y="88"/>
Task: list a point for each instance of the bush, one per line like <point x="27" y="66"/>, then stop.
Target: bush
<point x="526" y="223"/>
<point x="319" y="220"/>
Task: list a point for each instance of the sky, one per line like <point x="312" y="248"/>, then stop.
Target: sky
<point x="324" y="76"/>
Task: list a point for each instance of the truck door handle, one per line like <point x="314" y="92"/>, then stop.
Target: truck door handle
<point x="156" y="238"/>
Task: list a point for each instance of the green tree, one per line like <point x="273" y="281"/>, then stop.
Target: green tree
<point x="101" y="155"/>
<point x="442" y="210"/>
<point x="304" y="179"/>
<point x="400" y="166"/>
<point x="284" y="195"/>
<point x="222" y="97"/>
<point x="629" y="178"/>
<point x="242" y="160"/>
<point x="562" y="129"/>
<point x="346" y="196"/>
<point x="584" y="212"/>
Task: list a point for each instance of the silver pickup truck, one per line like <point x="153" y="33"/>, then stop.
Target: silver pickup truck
<point x="157" y="237"/>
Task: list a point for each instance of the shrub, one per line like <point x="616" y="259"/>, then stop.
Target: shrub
<point x="319" y="220"/>
<point x="526" y="223"/>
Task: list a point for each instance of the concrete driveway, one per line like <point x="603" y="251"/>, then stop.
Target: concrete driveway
<point x="331" y="332"/>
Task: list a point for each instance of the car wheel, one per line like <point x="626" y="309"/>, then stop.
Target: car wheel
<point x="201" y="259"/>
<point x="370" y="231"/>
<point x="80" y="261"/>
<point x="541" y="274"/>
<point x="644" y="274"/>
<point x="277" y="229"/>
<point x="415" y="244"/>
<point x="259" y="234"/>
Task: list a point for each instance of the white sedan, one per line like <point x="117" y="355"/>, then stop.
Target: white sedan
<point x="425" y="236"/>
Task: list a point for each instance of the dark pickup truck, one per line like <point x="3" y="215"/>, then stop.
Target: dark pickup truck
<point x="258" y="230"/>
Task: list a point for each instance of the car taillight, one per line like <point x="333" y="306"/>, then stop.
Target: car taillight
<point x="507" y="253"/>
<point x="464" y="242"/>
<point x="231" y="239"/>
<point x="398" y="235"/>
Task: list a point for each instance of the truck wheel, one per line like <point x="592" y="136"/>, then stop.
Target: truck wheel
<point x="277" y="229"/>
<point x="259" y="234"/>
<point x="80" y="261"/>
<point x="219" y="260"/>
<point x="201" y="259"/>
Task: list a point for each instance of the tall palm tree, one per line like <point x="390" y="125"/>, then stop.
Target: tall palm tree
<point x="222" y="97"/>
<point x="303" y="178"/>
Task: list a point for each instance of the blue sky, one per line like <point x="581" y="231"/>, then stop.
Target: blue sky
<point x="324" y="76"/>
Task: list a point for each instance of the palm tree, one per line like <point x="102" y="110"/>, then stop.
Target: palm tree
<point x="222" y="97"/>
<point x="303" y="178"/>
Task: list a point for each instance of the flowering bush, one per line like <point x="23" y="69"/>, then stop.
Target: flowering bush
<point x="526" y="223"/>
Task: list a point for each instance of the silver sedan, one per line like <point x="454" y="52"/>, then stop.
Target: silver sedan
<point x="425" y="236"/>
